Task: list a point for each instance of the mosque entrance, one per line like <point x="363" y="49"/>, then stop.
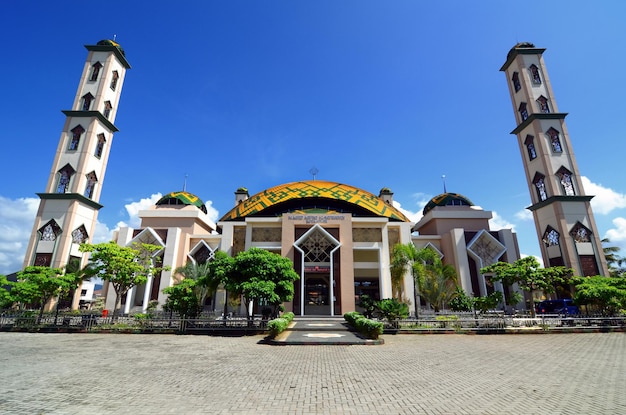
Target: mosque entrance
<point x="317" y="295"/>
<point x="317" y="275"/>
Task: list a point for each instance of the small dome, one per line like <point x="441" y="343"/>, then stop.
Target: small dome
<point x="447" y="199"/>
<point x="182" y="198"/>
<point x="108" y="42"/>
<point x="520" y="45"/>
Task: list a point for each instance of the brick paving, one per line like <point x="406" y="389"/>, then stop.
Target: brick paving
<point x="409" y="374"/>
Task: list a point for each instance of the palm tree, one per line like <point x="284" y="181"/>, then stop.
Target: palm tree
<point x="198" y="273"/>
<point x="613" y="261"/>
<point x="403" y="256"/>
<point x="433" y="280"/>
<point x="437" y="282"/>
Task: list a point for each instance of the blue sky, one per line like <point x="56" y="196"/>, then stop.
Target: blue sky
<point x="255" y="93"/>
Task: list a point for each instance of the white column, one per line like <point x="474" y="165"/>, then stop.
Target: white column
<point x="146" y="294"/>
<point x="129" y="300"/>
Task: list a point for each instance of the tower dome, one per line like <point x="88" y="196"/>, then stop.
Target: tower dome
<point x="447" y="199"/>
<point x="182" y="198"/>
<point x="109" y="42"/>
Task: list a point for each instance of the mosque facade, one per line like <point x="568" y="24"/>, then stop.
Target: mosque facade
<point x="339" y="237"/>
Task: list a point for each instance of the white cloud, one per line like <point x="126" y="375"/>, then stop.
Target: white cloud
<point x="617" y="236"/>
<point x="16" y="223"/>
<point x="133" y="209"/>
<point x="497" y="222"/>
<point x="524" y="215"/>
<point x="413" y="216"/>
<point x="606" y="200"/>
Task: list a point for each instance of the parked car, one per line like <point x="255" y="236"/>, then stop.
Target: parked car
<point x="562" y="306"/>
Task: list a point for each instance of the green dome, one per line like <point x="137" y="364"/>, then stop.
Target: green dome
<point x="447" y="199"/>
<point x="109" y="42"/>
<point x="182" y="198"/>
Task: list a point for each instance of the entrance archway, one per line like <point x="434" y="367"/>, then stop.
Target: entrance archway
<point x="317" y="279"/>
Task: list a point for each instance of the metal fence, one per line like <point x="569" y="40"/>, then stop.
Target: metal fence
<point x="210" y="323"/>
<point x="145" y="323"/>
<point x="501" y="321"/>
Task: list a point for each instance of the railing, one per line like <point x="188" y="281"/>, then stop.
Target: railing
<point x="500" y="322"/>
<point x="210" y="323"/>
<point x="157" y="323"/>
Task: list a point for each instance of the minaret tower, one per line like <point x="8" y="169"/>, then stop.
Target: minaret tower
<point x="564" y="221"/>
<point x="69" y="207"/>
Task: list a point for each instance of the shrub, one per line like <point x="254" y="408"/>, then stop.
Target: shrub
<point x="288" y="316"/>
<point x="392" y="309"/>
<point x="368" y="328"/>
<point x="351" y="317"/>
<point x="368" y="304"/>
<point x="277" y="326"/>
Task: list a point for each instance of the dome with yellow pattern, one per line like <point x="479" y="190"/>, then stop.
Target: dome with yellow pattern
<point x="314" y="196"/>
<point x="182" y="198"/>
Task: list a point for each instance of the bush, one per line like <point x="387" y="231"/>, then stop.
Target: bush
<point x="288" y="316"/>
<point x="368" y="328"/>
<point x="368" y="304"/>
<point x="351" y="317"/>
<point x="392" y="309"/>
<point x="277" y="326"/>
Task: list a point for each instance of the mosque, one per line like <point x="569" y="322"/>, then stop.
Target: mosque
<point x="338" y="237"/>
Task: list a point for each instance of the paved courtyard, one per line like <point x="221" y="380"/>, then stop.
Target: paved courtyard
<point x="409" y="374"/>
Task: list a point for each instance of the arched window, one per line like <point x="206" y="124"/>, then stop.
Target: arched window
<point x="116" y="76"/>
<point x="100" y="146"/>
<point x="565" y="177"/>
<point x="523" y="111"/>
<point x="50" y="231"/>
<point x="530" y="146"/>
<point x="107" y="109"/>
<point x="79" y="235"/>
<point x="95" y="71"/>
<point x="87" y="98"/>
<point x="91" y="184"/>
<point x="580" y="233"/>
<point x="555" y="140"/>
<point x="540" y="184"/>
<point x="75" y="138"/>
<point x="516" y="83"/>
<point x="65" y="174"/>
<point x="551" y="237"/>
<point x="534" y="74"/>
<point x="543" y="104"/>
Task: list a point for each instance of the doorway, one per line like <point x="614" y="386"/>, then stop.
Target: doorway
<point x="317" y="295"/>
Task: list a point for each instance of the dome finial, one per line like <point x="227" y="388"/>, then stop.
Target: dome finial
<point x="443" y="177"/>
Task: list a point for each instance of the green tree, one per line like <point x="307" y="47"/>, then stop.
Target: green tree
<point x="122" y="266"/>
<point x="606" y="294"/>
<point x="38" y="285"/>
<point x="437" y="281"/>
<point x="489" y="302"/>
<point x="6" y="299"/>
<point x="529" y="276"/>
<point x="461" y="301"/>
<point x="220" y="269"/>
<point x="182" y="298"/>
<point x="433" y="280"/>
<point x="258" y="274"/>
<point x="198" y="273"/>
<point x="404" y="258"/>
